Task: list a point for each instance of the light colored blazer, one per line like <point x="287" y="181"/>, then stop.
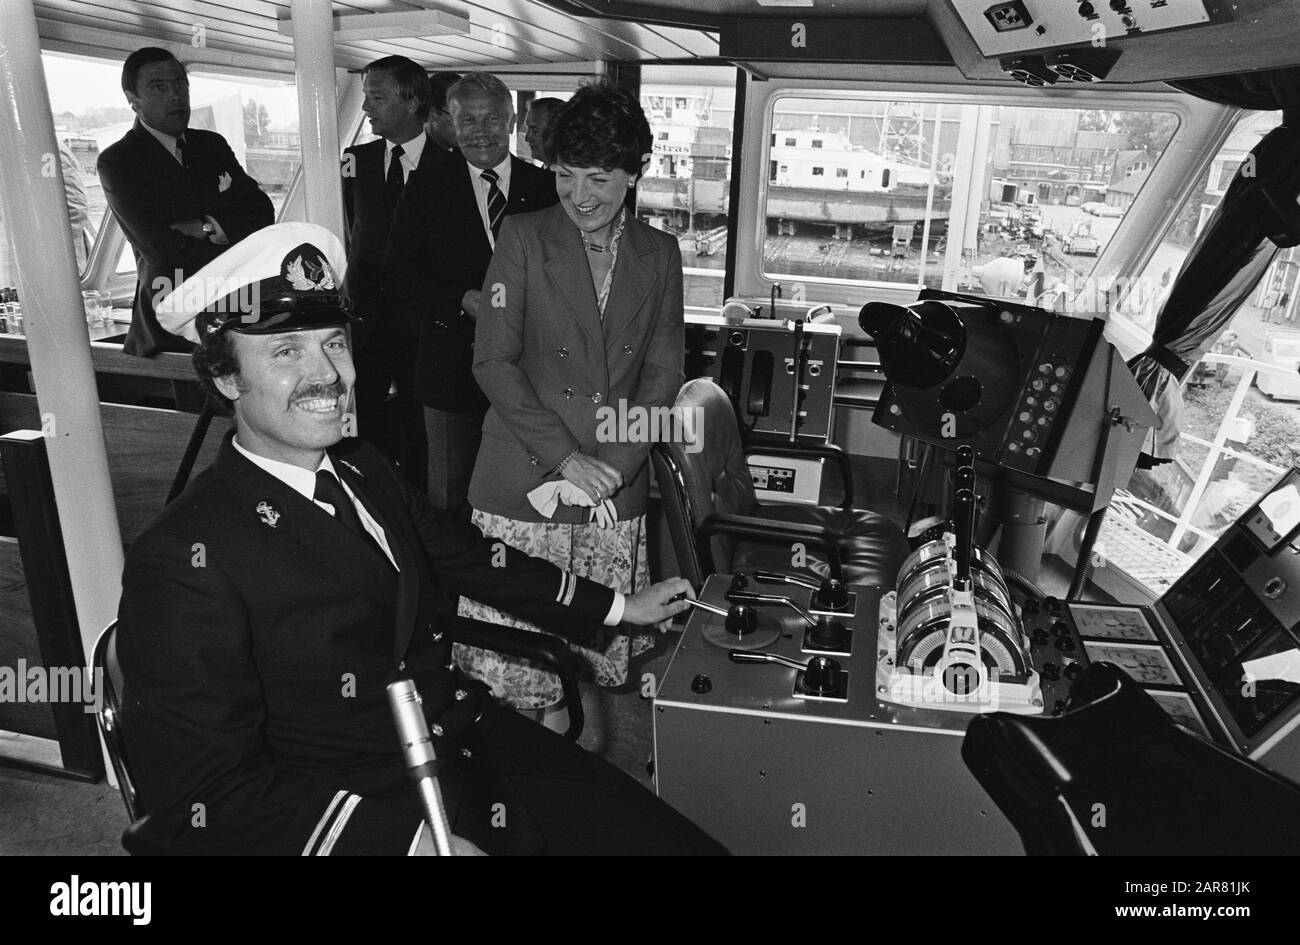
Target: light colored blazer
<point x="558" y="376"/>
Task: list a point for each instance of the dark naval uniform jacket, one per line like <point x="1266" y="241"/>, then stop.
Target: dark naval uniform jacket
<point x="148" y="189"/>
<point x="258" y="636"/>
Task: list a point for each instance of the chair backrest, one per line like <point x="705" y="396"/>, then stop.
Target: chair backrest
<point x="707" y="475"/>
<point x="108" y="676"/>
<point x="1114" y="775"/>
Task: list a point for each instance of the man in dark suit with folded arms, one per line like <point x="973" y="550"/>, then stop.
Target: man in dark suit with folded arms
<point x="178" y="193"/>
<point x="479" y="185"/>
<point x="265" y="611"/>
<point x="397" y="99"/>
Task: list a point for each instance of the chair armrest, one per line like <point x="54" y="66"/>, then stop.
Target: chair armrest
<point x="823" y="450"/>
<point x="552" y="652"/>
<point x="769" y="532"/>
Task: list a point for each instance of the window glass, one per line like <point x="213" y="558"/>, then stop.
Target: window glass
<point x="259" y="118"/>
<point x="685" y="191"/>
<point x="1241" y="402"/>
<point x="1042" y="191"/>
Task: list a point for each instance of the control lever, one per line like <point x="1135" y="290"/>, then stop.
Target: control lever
<point x="830" y="594"/>
<point x="740" y="619"/>
<point x="749" y="597"/>
<point x="821" y="674"/>
<point x="775" y="577"/>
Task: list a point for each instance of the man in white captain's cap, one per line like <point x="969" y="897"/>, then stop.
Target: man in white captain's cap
<point x="267" y="608"/>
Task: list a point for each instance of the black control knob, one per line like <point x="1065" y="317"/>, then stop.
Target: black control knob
<point x="832" y="595"/>
<point x="1030" y="606"/>
<point x="1065" y="643"/>
<point x="1060" y="627"/>
<point x="739" y="581"/>
<point x="701" y="684"/>
<point x="1086" y="9"/>
<point x="822" y="675"/>
<point x="1051" y="672"/>
<point x="829" y="634"/>
<point x="741" y="620"/>
<point x="1073" y="671"/>
<point x="1052" y="605"/>
<point x="1040" y="637"/>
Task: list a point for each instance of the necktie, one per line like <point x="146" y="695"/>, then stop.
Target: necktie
<point x="180" y="152"/>
<point x="330" y="490"/>
<point x="394" y="180"/>
<point x="496" y="202"/>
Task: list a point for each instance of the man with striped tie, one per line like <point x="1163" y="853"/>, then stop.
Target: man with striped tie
<point x="478" y="186"/>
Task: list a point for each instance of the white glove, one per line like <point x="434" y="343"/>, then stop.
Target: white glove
<point x="605" y="515"/>
<point x="570" y="494"/>
<point x="546" y="497"/>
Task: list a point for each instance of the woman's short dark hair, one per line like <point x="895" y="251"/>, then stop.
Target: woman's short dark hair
<point x="601" y="126"/>
<point x="213" y="358"/>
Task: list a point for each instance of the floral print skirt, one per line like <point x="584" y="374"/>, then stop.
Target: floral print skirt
<point x="615" y="557"/>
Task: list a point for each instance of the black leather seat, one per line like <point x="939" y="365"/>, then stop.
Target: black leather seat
<point x="717" y="523"/>
<point x="1115" y="776"/>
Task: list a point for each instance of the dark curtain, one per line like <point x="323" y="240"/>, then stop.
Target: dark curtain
<point x="1257" y="214"/>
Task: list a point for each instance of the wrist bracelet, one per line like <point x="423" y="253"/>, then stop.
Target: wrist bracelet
<point x="559" y="467"/>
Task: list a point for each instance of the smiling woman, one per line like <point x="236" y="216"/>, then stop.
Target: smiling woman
<point x="586" y="316"/>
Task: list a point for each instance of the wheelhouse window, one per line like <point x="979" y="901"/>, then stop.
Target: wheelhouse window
<point x="258" y="117"/>
<point x="1240" y="428"/>
<point x="686" y="189"/>
<point x="1034" y="193"/>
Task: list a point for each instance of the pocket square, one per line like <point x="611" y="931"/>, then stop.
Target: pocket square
<point x="223" y="183"/>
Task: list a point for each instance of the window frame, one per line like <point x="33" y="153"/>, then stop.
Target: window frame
<point x="1202" y="127"/>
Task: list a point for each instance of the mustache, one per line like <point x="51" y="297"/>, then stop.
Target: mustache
<point x="313" y="391"/>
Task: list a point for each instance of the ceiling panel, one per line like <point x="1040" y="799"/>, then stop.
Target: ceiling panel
<point x="502" y="32"/>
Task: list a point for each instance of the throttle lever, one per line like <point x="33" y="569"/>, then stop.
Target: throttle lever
<point x="775" y="577"/>
<point x="752" y="656"/>
<point x="749" y="597"/>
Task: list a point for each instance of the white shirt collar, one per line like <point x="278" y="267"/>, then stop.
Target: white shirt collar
<point x="411" y="150"/>
<point x="503" y="175"/>
<point x="166" y="140"/>
<point x="301" y="481"/>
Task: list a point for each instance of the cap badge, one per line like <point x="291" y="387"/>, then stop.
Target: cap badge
<point x="306" y="274"/>
<point x="270" y="515"/>
<point x="223" y="183"/>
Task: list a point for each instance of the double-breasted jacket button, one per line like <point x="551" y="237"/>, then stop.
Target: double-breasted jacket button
<point x="436" y="730"/>
<point x="466" y="753"/>
<point x="461" y="695"/>
<point x="401" y="667"/>
<point x="437" y="637"/>
<point x="627" y="349"/>
<point x="596" y="397"/>
<point x="562" y="352"/>
<point x="568" y="392"/>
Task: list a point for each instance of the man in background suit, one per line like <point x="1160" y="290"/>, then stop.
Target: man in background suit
<point x="438" y="126"/>
<point x="449" y="253"/>
<point x="255" y="673"/>
<point x="397" y="101"/>
<point x="178" y="193"/>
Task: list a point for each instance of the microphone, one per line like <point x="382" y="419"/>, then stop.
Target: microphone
<point x="413" y="734"/>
